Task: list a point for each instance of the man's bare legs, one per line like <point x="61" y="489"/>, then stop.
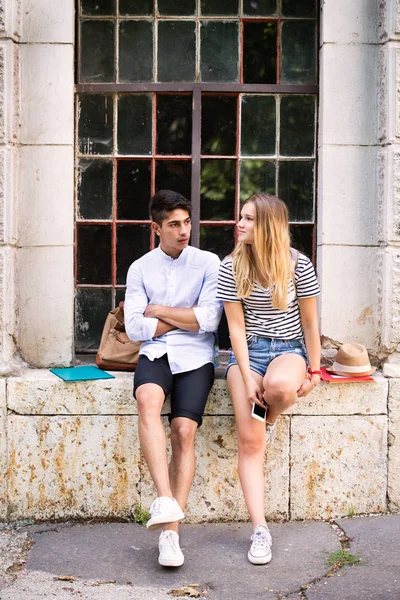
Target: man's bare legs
<point x="150" y="399"/>
<point x="183" y="462"/>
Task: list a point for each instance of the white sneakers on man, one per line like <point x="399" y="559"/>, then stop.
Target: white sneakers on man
<point x="164" y="510"/>
<point x="260" y="550"/>
<point x="170" y="553"/>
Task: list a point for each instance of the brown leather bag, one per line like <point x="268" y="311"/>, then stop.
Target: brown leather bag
<point x="116" y="351"/>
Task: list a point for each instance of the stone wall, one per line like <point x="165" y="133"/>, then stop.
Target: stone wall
<point x="72" y="451"/>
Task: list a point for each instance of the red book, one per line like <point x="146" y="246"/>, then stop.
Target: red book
<point x="330" y="378"/>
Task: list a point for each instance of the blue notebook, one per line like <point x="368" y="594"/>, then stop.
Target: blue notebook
<point x="81" y="373"/>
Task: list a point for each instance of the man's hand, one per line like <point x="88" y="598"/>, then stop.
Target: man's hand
<point x="153" y="310"/>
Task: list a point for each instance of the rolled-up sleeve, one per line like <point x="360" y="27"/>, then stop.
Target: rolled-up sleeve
<point x="209" y="310"/>
<point x="137" y="326"/>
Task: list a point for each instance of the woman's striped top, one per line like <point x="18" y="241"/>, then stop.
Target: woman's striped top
<point x="259" y="315"/>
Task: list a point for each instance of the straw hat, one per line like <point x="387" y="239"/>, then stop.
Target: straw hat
<point x="352" y="361"/>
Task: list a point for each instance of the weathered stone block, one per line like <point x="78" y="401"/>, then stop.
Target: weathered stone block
<point x="81" y="467"/>
<point x="47" y="87"/>
<point x="338" y="465"/>
<point x="3" y="451"/>
<point x="349" y="316"/>
<point x="216" y="494"/>
<point x="46" y="196"/>
<point x="45" y="21"/>
<point x="39" y="392"/>
<point x="349" y="87"/>
<point x="394" y="445"/>
<point x="46" y="300"/>
<point x="348" y="182"/>
<point x="345" y="399"/>
<point x="350" y="22"/>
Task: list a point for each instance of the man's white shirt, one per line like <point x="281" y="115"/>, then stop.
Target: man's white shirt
<point x="191" y="280"/>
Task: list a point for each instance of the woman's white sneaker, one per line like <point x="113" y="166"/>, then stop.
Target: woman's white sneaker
<point x="260" y="550"/>
<point x="170" y="553"/>
<point x="164" y="510"/>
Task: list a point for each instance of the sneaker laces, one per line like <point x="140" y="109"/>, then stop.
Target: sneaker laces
<point x="261" y="539"/>
<point x="170" y="541"/>
<point x="156" y="507"/>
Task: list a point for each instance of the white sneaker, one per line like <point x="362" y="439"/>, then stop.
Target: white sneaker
<point x="164" y="510"/>
<point x="270" y="432"/>
<point x="170" y="553"/>
<point x="260" y="551"/>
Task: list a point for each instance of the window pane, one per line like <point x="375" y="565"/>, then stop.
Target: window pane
<point x="174" y="124"/>
<point x="297" y="125"/>
<point x="176" y="7"/>
<point x="219" y="51"/>
<point x="174" y="175"/>
<point x="259" y="7"/>
<point x="135" y="51"/>
<point x="95" y="126"/>
<point x="94" y="254"/>
<point x="119" y="295"/>
<point x="132" y="242"/>
<point x="218" y="125"/>
<point x="302" y="239"/>
<point x="98" y="7"/>
<point x="95" y="179"/>
<point x="298" y="52"/>
<point x="296" y="188"/>
<point x="256" y="176"/>
<point x="258" y="125"/>
<point x="135" y="7"/>
<point x="219" y="240"/>
<point x="134" y="124"/>
<point x="218" y="179"/>
<point x="299" y="8"/>
<point x="219" y="7"/>
<point x="259" y="52"/>
<point x="92" y="306"/>
<point x="176" y="51"/>
<point x="133" y="189"/>
<point x="97" y="52"/>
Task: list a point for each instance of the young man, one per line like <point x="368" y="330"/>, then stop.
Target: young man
<point x="171" y="305"/>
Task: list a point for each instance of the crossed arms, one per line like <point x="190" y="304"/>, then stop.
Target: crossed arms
<point x="145" y="320"/>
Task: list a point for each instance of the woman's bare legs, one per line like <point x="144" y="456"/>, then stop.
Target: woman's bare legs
<point x="251" y="446"/>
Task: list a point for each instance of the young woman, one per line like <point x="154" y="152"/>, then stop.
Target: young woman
<point x="269" y="293"/>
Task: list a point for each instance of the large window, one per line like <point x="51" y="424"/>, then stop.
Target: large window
<point x="213" y="98"/>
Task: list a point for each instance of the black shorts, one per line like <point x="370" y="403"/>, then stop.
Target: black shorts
<point x="189" y="390"/>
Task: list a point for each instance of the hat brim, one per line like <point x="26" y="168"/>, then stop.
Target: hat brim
<point x="344" y="374"/>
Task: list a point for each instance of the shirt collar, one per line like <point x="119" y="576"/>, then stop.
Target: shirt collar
<point x="180" y="258"/>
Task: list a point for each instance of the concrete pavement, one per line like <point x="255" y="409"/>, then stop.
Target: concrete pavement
<point x="118" y="561"/>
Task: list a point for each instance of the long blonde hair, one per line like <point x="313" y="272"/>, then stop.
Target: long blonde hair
<point x="268" y="260"/>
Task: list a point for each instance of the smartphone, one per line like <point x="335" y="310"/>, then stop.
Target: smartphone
<point x="258" y="412"/>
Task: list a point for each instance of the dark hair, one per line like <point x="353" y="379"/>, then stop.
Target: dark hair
<point x="165" y="201"/>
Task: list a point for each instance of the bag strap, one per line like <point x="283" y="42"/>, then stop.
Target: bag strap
<point x="295" y="256"/>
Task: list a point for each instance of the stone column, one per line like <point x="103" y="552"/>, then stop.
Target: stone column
<point x="390" y="232"/>
<point x="9" y="33"/>
<point x="348" y="250"/>
<point x="45" y="190"/>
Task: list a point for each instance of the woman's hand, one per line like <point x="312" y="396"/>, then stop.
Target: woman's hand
<point x="254" y="392"/>
<point x="308" y="385"/>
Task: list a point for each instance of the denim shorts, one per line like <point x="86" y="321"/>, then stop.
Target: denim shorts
<point x="263" y="350"/>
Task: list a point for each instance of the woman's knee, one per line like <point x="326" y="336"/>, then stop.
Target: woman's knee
<point x="280" y="392"/>
<point x="251" y="445"/>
